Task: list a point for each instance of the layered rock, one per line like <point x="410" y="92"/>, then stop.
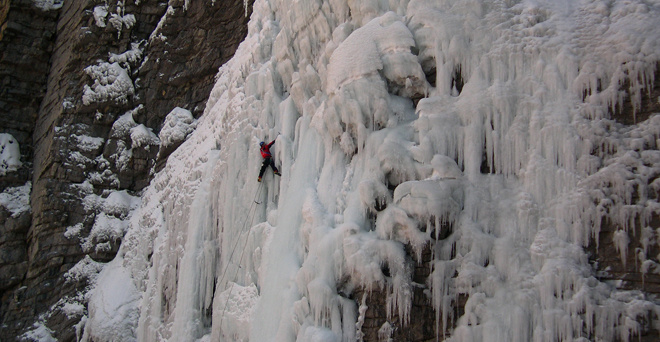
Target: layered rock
<point x="26" y="41"/>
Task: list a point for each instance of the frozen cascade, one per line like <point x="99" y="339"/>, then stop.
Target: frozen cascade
<point x="279" y="291"/>
<point x="198" y="264"/>
<point x="480" y="131"/>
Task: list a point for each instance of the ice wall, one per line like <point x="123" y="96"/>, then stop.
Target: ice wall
<point x="477" y="129"/>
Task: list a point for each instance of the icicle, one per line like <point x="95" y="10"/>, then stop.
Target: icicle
<point x="621" y="241"/>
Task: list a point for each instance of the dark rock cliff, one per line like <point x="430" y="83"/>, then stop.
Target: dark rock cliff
<point x="51" y="61"/>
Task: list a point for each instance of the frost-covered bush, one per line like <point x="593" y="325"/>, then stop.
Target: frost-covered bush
<point x="100" y="14"/>
<point x="119" y="21"/>
<point x="129" y="57"/>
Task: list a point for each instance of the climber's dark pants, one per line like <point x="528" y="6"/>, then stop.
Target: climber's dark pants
<point x="264" y="165"/>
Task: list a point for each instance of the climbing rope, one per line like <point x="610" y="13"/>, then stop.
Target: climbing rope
<point x="250" y="216"/>
<point x="249" y="219"/>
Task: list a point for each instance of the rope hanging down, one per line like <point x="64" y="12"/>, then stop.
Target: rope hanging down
<point x="249" y="219"/>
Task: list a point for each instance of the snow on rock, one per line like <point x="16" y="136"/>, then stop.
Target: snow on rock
<point x="87" y="143"/>
<point x="10" y="154"/>
<point x="176" y="127"/>
<point x="16" y="199"/>
<point x="128" y="57"/>
<point x="478" y="130"/>
<point x="85" y="269"/>
<point x="130" y="135"/>
<point x="39" y="332"/>
<point x="157" y="31"/>
<point x="120" y="203"/>
<point x="48" y="5"/>
<point x="111" y="83"/>
<point x="100" y="15"/>
<point x="119" y="21"/>
<point x="113" y="307"/>
<point x="111" y="221"/>
<point x="142" y="135"/>
<point x="124" y="124"/>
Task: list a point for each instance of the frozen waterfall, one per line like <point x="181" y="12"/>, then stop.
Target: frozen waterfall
<point x="479" y="130"/>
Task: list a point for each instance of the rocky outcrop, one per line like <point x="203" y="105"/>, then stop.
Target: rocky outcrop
<point x="13" y="248"/>
<point x="86" y="87"/>
<point x="633" y="268"/>
<point x="628" y="114"/>
<point x="611" y="263"/>
<point x="423" y="324"/>
<point x="624" y="270"/>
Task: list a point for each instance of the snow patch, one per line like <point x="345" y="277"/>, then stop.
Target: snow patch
<point x="39" y="332"/>
<point x="16" y="199"/>
<point x="86" y="269"/>
<point x="100" y="15"/>
<point x="142" y="135"/>
<point x="178" y="124"/>
<point x="10" y="154"/>
<point x="113" y="306"/>
<point x="111" y="83"/>
<point x="48" y="5"/>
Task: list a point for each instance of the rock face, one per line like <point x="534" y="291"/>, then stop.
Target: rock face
<point x="86" y="86"/>
<point x="26" y="42"/>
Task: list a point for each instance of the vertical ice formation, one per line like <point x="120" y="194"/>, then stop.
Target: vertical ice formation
<point x="476" y="129"/>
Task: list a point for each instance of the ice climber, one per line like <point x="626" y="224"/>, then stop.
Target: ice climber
<point x="268" y="159"/>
